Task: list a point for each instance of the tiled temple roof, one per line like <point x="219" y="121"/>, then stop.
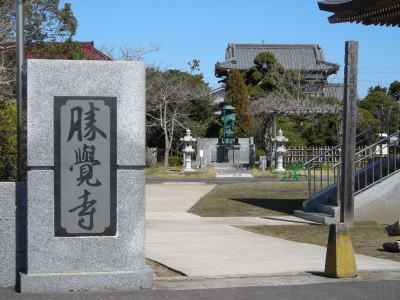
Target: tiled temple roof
<point x="334" y="90"/>
<point x="367" y="12"/>
<point x="301" y="57"/>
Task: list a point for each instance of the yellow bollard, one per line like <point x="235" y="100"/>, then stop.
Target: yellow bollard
<point x="340" y="260"/>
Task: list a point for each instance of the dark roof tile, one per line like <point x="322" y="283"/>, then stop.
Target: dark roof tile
<point x="301" y="57"/>
<point x="334" y="90"/>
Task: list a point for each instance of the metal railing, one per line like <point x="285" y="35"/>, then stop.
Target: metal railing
<point x="323" y="171"/>
<point x="376" y="162"/>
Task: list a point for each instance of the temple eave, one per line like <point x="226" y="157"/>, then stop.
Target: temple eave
<point x="373" y="14"/>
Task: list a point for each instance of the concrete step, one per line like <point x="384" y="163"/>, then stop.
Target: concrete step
<point x="330" y="210"/>
<point x="316" y="217"/>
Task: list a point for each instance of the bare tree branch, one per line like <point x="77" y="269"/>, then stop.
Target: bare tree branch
<point x="7" y="69"/>
<point x="168" y="94"/>
<point x="129" y="53"/>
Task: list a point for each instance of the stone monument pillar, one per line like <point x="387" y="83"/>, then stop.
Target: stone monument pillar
<point x="252" y="152"/>
<point x="280" y="150"/>
<point x="187" y="151"/>
<point x="86" y="154"/>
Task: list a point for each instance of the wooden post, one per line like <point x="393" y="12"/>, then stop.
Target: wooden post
<point x="349" y="134"/>
<point x="340" y="259"/>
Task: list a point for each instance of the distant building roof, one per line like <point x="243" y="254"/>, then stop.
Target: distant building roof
<point x="218" y="94"/>
<point x="334" y="90"/>
<point x="302" y="57"/>
<point x="92" y="52"/>
<point x="367" y="12"/>
<point x="86" y="47"/>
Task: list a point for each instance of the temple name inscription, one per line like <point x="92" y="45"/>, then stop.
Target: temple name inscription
<point x="85" y="166"/>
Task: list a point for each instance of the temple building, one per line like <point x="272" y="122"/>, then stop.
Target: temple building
<point x="367" y="12"/>
<point x="308" y="59"/>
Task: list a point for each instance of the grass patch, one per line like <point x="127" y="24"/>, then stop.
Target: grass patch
<point x="175" y="172"/>
<point x="278" y="176"/>
<point x="256" y="172"/>
<point x="367" y="237"/>
<point x="252" y="199"/>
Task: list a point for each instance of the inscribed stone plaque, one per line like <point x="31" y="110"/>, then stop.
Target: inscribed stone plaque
<point x="85" y="166"/>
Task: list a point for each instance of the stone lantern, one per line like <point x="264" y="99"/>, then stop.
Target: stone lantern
<point x="187" y="151"/>
<point x="280" y="150"/>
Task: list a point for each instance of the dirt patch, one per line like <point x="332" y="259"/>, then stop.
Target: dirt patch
<point x="161" y="270"/>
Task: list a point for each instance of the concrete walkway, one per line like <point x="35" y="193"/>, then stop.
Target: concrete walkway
<point x="211" y="247"/>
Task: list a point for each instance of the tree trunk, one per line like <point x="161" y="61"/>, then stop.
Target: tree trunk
<point x="166" y="150"/>
<point x="268" y="122"/>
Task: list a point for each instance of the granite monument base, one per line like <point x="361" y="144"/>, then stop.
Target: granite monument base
<point x="96" y="243"/>
<point x="244" y="155"/>
<point x="12" y="231"/>
<point x="99" y="281"/>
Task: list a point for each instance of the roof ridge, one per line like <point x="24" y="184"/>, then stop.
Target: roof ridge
<point x="274" y="45"/>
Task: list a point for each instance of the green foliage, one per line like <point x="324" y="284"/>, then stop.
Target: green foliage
<point x="268" y="76"/>
<point x="327" y="100"/>
<point x="309" y="130"/>
<point x="259" y="152"/>
<point x="376" y="99"/>
<point x="214" y="129"/>
<point x="252" y="76"/>
<point x="320" y="130"/>
<point x="45" y="21"/>
<point x="256" y="91"/>
<point x="377" y="88"/>
<point x="175" y="161"/>
<point x="46" y="28"/>
<point x="394" y="90"/>
<point x="197" y="128"/>
<point x="382" y="107"/>
<point x="54" y="50"/>
<point x="292" y="130"/>
<point x="265" y="58"/>
<point x="257" y="131"/>
<point x="8" y="140"/>
<point x="237" y="96"/>
<point x="200" y="110"/>
<point x="365" y="114"/>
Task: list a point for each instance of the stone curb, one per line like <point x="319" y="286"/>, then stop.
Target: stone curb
<point x="284" y="275"/>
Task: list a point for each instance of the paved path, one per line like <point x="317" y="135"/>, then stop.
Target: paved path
<point x="255" y="289"/>
<point x="223" y="180"/>
<point x="200" y="246"/>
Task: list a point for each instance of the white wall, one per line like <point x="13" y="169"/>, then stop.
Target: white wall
<point x="379" y="203"/>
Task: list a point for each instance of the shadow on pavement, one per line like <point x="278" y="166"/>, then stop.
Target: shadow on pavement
<point x="286" y="206"/>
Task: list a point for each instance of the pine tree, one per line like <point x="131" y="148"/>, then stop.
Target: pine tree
<point x="237" y="96"/>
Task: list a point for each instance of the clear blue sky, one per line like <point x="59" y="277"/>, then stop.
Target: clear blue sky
<point x="187" y="29"/>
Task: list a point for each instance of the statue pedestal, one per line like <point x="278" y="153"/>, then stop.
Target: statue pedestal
<point x="187" y="164"/>
<point x="280" y="151"/>
<point x="187" y="151"/>
<point x="279" y="162"/>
